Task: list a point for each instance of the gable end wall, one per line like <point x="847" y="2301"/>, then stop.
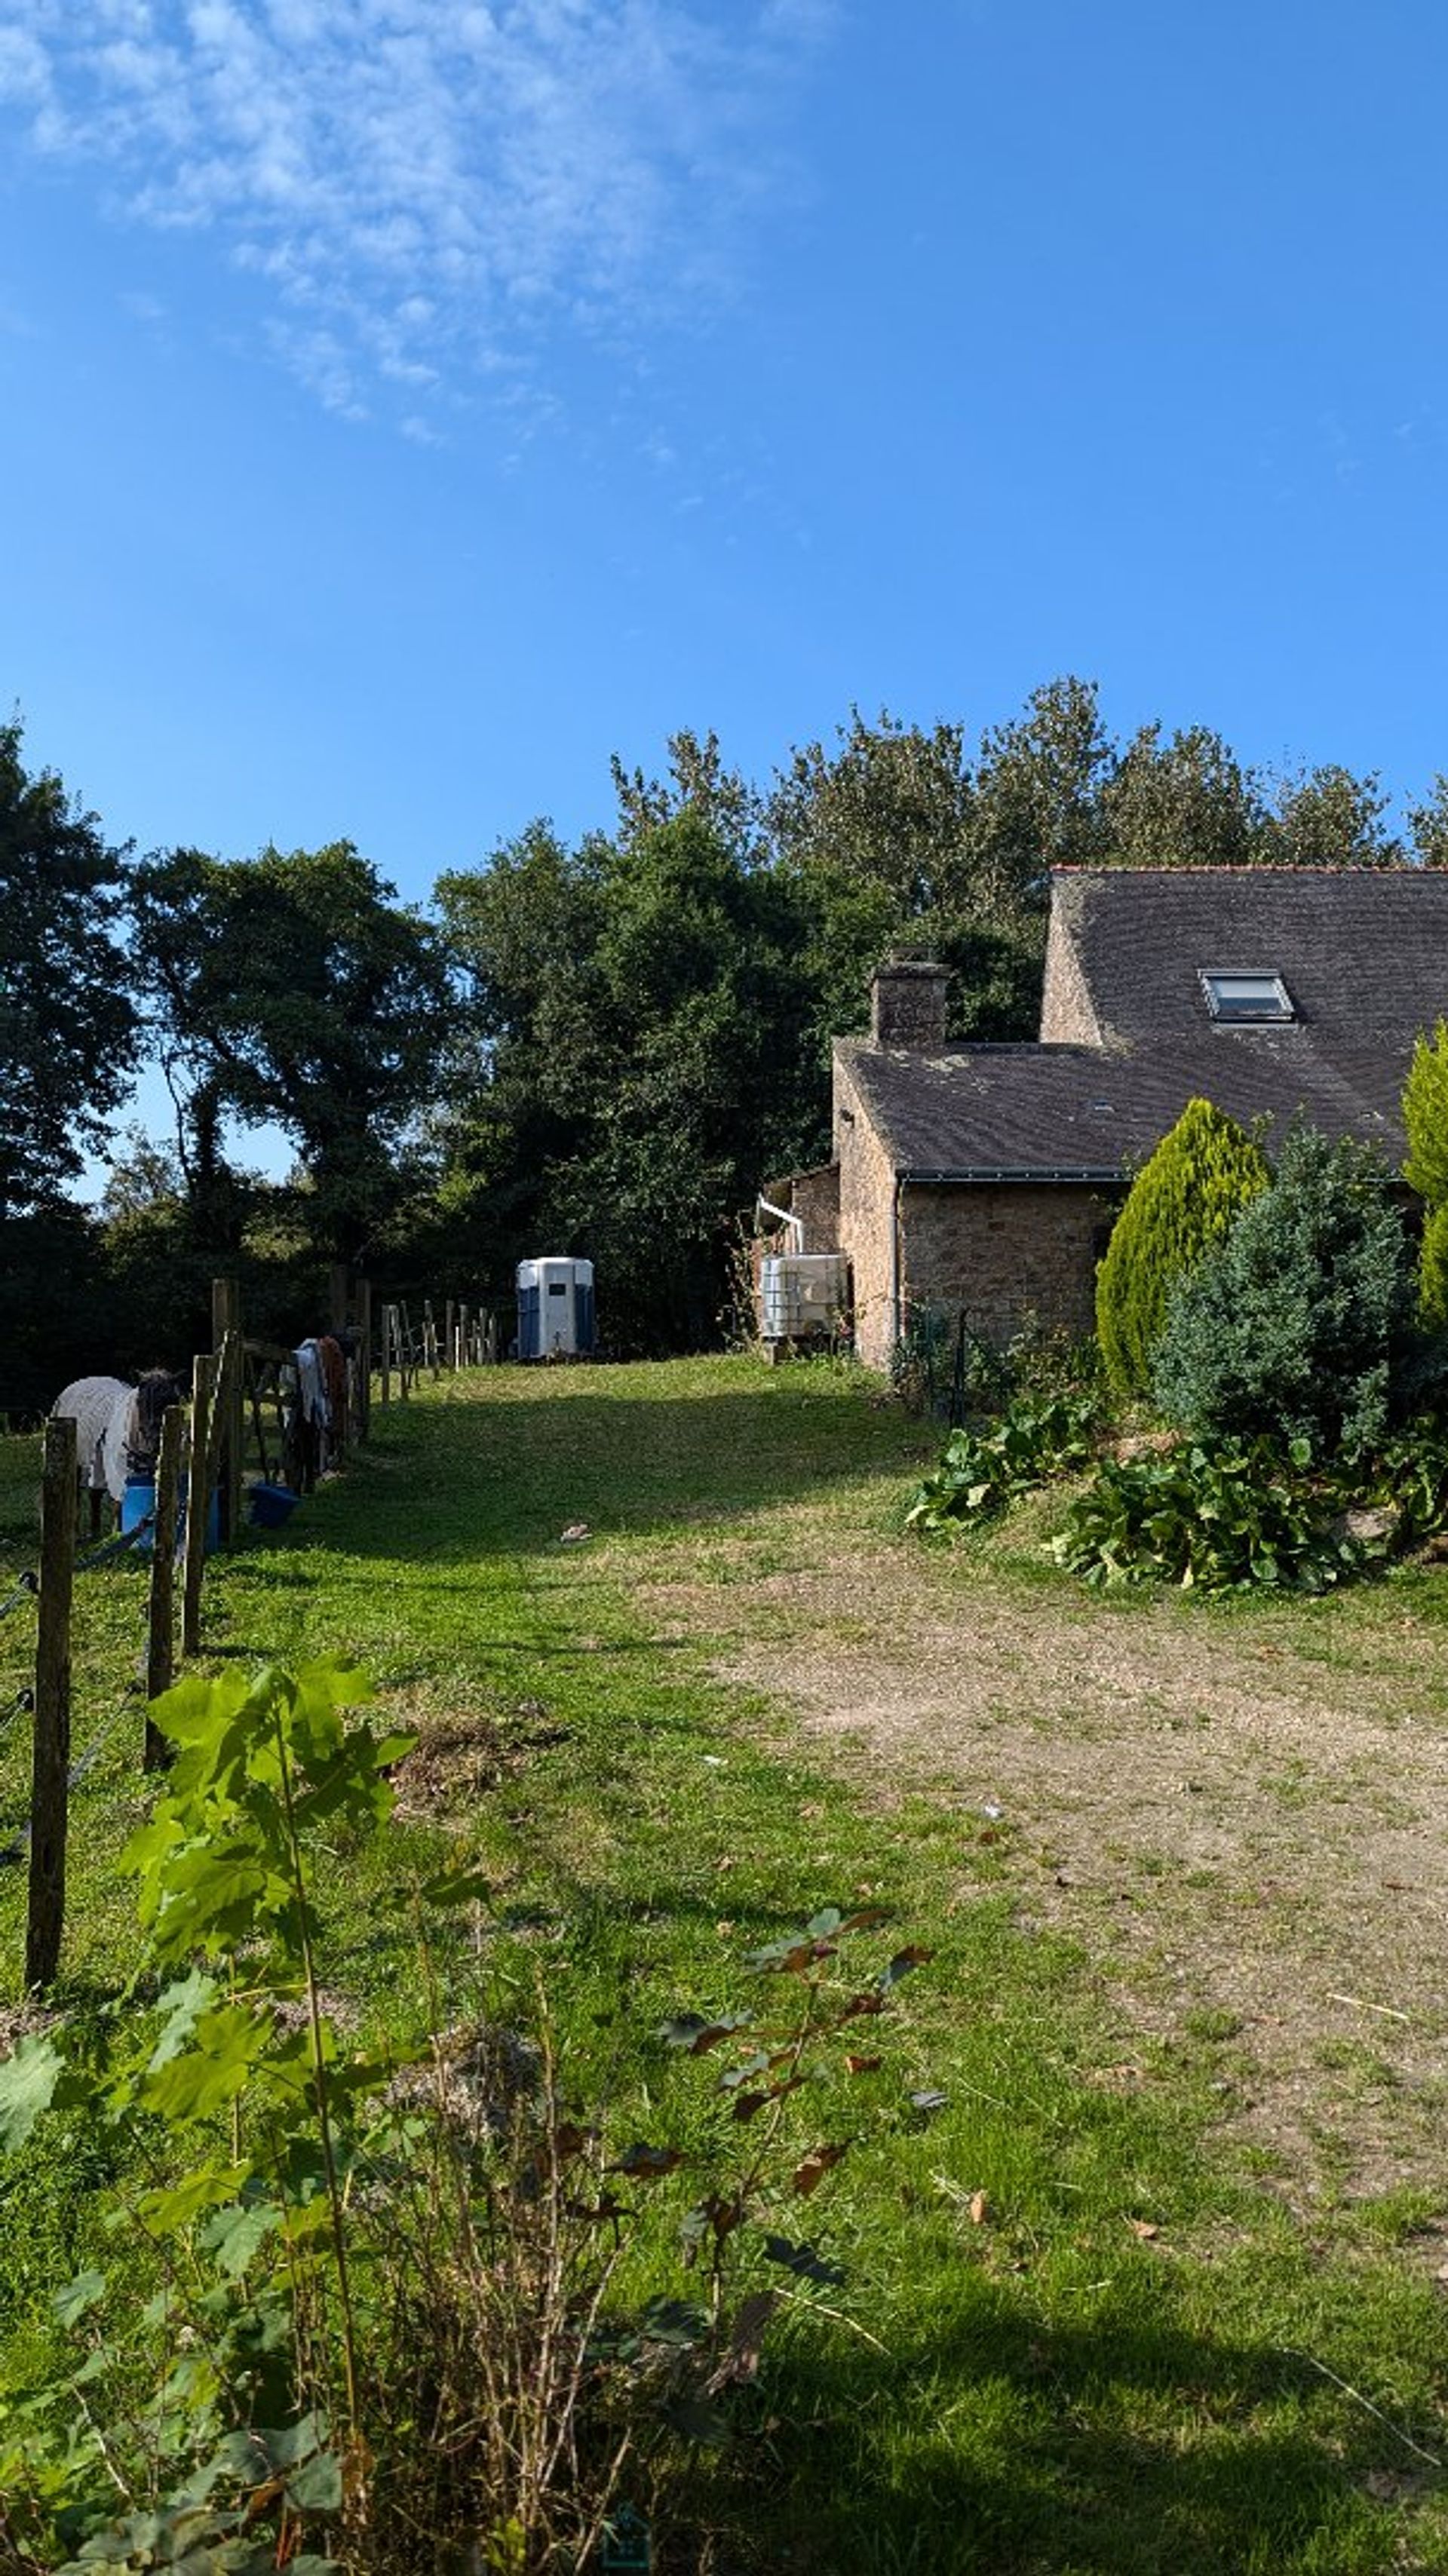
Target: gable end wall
<point x="866" y="1220"/>
<point x="1068" y="1015"/>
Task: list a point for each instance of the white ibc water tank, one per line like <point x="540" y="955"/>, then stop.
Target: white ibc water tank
<point x="802" y="1293"/>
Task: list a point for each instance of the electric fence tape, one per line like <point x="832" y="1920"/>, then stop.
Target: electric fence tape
<point x="19" y="1843"/>
<point x="25" y="1590"/>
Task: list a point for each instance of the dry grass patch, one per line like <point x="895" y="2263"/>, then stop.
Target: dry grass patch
<point x="1239" y="1814"/>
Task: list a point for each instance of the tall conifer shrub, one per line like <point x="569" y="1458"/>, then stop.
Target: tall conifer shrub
<point x="1300" y="1322"/>
<point x="1425" y="1116"/>
<point x="1182" y="1204"/>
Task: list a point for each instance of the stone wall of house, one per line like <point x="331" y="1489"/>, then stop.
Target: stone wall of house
<point x="866" y="1221"/>
<point x="1008" y="1253"/>
<point x="813" y="1197"/>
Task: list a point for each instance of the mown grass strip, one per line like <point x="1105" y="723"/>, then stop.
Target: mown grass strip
<point x="1075" y="2335"/>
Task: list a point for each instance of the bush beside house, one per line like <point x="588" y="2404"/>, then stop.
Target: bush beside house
<point x="1182" y="1205"/>
<point x="1295" y="1324"/>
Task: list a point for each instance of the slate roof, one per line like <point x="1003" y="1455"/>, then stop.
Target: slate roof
<point x="1364" y="955"/>
<point x="1363" y="951"/>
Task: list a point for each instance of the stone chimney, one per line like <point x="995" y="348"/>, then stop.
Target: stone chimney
<point x="907" y="1003"/>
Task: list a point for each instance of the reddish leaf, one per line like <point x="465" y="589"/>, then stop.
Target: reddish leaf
<point x="866" y="1918"/>
<point x="569" y="2140"/>
<point x="808" y="2176"/>
<point x="862" y="2065"/>
<point x="647" y="2162"/>
<point x="689" y="2032"/>
<point x="789" y="1958"/>
<point x="734" y="2076"/>
<point x="859" y="2004"/>
<point x="746" y="2343"/>
<point x="900" y="1966"/>
<point x="803" y="2260"/>
<point x="748" y="2103"/>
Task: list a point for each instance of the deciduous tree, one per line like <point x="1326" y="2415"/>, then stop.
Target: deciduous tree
<point x="67" y="1023"/>
<point x="294" y="988"/>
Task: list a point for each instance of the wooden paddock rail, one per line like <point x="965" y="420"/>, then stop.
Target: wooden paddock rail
<point x="468" y="1338"/>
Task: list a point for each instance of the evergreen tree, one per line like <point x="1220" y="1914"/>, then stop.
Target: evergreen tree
<point x="1300" y="1320"/>
<point x="1182" y="1203"/>
<point x="1425" y="1116"/>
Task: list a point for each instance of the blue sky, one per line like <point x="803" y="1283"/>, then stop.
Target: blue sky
<point x="405" y="405"/>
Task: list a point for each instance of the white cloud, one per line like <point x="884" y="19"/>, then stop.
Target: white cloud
<point x="424" y="186"/>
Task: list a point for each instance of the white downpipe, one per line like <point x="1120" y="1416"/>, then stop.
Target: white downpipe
<point x="794" y="1223"/>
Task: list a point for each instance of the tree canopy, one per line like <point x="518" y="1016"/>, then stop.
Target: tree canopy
<point x="603" y="1047"/>
<point x="293" y="987"/>
<point x="66" y="1018"/>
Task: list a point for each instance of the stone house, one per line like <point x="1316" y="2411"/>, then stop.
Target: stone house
<point x="985" y="1178"/>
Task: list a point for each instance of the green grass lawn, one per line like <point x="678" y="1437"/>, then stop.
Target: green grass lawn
<point x="1076" y="2332"/>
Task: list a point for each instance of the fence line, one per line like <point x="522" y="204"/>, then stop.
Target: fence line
<point x="208" y="1450"/>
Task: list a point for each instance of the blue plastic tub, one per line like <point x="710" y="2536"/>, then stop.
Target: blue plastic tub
<point x="138" y="1503"/>
<point x="271" y="1506"/>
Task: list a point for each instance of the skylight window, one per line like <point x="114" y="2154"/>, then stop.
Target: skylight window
<point x="1246" y="996"/>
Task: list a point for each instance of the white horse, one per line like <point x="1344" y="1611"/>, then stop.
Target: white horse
<point x="117" y="1428"/>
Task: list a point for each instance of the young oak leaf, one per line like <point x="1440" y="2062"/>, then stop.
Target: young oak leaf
<point x="810" y="2173"/>
<point x="647" y="2163"/>
<point x="690" y="2031"/>
<point x="913" y="1956"/>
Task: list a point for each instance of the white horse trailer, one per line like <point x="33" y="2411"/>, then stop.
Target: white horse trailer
<point x="555" y="1310"/>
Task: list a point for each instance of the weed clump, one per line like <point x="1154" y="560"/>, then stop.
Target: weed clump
<point x="385" y="2328"/>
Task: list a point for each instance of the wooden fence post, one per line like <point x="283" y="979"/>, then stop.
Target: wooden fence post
<point x="449" y="1344"/>
<point x="50" y="1759"/>
<point x="226" y="1385"/>
<point x="203" y="1379"/>
<point x="161" y="1633"/>
<point x="385" y="1396"/>
<point x="364" y="1357"/>
<point x="231" y="1429"/>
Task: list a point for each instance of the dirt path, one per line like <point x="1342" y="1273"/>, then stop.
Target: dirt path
<point x="1244" y="1820"/>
